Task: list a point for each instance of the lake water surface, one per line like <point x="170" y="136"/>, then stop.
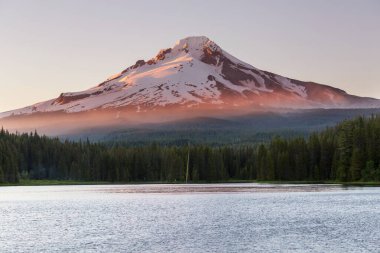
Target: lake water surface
<point x="189" y="218"/>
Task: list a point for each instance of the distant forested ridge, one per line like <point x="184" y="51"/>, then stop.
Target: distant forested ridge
<point x="348" y="152"/>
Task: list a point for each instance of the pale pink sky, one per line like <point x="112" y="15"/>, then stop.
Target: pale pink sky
<point x="49" y="47"/>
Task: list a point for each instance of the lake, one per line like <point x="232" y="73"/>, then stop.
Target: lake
<point x="190" y="218"/>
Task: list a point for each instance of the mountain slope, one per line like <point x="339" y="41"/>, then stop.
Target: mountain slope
<point x="197" y="73"/>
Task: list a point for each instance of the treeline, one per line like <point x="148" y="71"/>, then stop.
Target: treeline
<point x="348" y="152"/>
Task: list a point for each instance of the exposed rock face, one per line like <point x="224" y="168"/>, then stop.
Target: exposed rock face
<point x="65" y="99"/>
<point x="197" y="72"/>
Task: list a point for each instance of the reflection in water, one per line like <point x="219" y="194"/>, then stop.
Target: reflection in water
<point x="189" y="218"/>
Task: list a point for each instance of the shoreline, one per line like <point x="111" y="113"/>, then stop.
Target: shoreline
<point x="44" y="182"/>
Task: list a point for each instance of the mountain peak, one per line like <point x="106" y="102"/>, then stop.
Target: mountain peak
<point x="195" y="42"/>
<point x="197" y="73"/>
<point x="196" y="46"/>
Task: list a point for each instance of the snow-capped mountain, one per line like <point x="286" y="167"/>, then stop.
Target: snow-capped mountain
<point x="196" y="73"/>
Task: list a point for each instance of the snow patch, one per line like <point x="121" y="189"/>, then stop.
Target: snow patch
<point x="292" y="87"/>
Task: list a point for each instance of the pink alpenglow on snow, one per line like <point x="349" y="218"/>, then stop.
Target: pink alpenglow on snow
<point x="197" y="73"/>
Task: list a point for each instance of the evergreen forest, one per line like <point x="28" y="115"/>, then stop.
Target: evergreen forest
<point x="348" y="152"/>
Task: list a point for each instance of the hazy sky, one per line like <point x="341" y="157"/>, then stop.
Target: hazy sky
<point x="48" y="47"/>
